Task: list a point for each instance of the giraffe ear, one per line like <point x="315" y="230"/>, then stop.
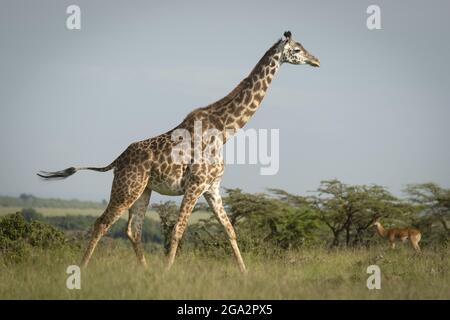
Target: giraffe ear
<point x="288" y="35"/>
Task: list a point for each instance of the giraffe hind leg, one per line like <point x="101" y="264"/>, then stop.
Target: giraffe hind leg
<point x="135" y="222"/>
<point x="127" y="187"/>
<point x="101" y="227"/>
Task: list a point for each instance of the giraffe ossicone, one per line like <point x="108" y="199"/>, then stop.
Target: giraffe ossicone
<point x="148" y="165"/>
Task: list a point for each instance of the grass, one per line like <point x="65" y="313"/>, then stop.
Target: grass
<point x="303" y="274"/>
<point x="197" y="215"/>
<point x="56" y="211"/>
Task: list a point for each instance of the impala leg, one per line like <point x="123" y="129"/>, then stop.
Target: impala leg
<point x="415" y="242"/>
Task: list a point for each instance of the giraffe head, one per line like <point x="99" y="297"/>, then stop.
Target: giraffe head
<point x="294" y="53"/>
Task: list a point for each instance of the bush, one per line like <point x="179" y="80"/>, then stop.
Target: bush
<point x="263" y="224"/>
<point x="18" y="237"/>
<point x="75" y="222"/>
<point x="45" y="236"/>
<point x="14" y="227"/>
<point x="263" y="220"/>
<point x="32" y="215"/>
<point x="150" y="231"/>
<point x="14" y="251"/>
<point x="168" y="213"/>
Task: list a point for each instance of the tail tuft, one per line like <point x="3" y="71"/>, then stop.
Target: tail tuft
<point x="57" y="174"/>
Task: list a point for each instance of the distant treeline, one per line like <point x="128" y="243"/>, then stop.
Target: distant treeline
<point x="151" y="230"/>
<point x="335" y="214"/>
<point x="29" y="201"/>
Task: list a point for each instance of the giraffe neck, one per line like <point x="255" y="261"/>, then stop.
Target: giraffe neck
<point x="236" y="109"/>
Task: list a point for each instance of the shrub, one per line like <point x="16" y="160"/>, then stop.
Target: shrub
<point x="45" y="236"/>
<point x="31" y="214"/>
<point x="18" y="237"/>
<point x="14" y="251"/>
<point x="168" y="213"/>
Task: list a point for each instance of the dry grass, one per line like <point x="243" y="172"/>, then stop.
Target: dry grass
<point x="197" y="215"/>
<point x="303" y="274"/>
<point x="55" y="211"/>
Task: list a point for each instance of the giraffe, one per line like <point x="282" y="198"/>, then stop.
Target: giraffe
<point x="149" y="165"/>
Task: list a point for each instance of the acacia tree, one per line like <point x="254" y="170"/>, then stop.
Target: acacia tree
<point x="168" y="214"/>
<point x="271" y="218"/>
<point x="434" y="203"/>
<point x="350" y="210"/>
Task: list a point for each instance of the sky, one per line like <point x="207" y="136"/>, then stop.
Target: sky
<point x="377" y="111"/>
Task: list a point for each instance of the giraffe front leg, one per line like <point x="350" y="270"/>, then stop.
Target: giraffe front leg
<point x="193" y="192"/>
<point x="214" y="200"/>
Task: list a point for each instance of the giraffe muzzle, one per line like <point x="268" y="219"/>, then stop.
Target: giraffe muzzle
<point x="313" y="61"/>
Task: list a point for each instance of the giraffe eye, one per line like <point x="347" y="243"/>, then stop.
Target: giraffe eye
<point x="297" y="50"/>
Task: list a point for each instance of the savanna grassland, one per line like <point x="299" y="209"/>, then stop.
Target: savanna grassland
<point x="51" y="212"/>
<point x="295" y="247"/>
<point x="299" y="274"/>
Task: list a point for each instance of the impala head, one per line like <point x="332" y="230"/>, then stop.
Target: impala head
<point x="294" y="53"/>
<point x="377" y="223"/>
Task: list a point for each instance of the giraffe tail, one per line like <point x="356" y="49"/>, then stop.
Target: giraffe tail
<point x="70" y="171"/>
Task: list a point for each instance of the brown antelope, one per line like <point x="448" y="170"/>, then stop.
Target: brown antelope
<point x="403" y="234"/>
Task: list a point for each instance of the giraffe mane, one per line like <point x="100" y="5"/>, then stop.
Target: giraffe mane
<point x="242" y="85"/>
<point x="266" y="55"/>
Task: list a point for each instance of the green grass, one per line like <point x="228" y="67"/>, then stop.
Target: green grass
<point x="55" y="211"/>
<point x="303" y="274"/>
<point x="197" y="215"/>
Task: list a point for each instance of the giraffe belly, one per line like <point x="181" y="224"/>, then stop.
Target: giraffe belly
<point x="166" y="188"/>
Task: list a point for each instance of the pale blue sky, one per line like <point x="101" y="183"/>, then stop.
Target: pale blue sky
<point x="377" y="111"/>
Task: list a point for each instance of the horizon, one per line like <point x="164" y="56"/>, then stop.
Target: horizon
<point x="401" y="195"/>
